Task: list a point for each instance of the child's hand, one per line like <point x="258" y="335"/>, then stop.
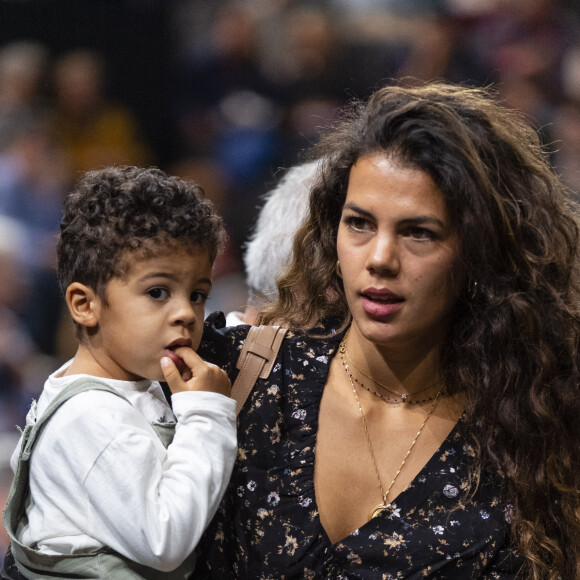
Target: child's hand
<point x="198" y="375"/>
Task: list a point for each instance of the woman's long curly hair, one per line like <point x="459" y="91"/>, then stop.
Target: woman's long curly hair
<point x="513" y="344"/>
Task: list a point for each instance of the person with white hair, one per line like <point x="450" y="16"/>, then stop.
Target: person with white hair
<point x="269" y="249"/>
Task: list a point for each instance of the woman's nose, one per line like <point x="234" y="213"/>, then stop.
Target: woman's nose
<point x="384" y="256"/>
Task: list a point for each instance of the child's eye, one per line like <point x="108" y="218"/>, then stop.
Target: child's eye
<point x="198" y="297"/>
<point x="158" y="293"/>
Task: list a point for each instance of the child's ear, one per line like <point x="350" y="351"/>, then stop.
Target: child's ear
<point x="83" y="304"/>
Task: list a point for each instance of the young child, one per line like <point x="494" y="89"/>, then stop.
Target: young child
<point x="107" y="493"/>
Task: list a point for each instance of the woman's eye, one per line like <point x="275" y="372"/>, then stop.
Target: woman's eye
<point x="158" y="293"/>
<point x="357" y="223"/>
<point x="198" y="297"/>
<point x="420" y="233"/>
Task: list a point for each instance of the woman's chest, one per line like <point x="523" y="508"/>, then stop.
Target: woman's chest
<point x="277" y="496"/>
<point x="369" y="452"/>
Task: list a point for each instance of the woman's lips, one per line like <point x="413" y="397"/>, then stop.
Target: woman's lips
<point x="381" y="303"/>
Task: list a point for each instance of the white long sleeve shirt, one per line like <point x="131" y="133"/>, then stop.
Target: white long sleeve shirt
<point x="100" y="476"/>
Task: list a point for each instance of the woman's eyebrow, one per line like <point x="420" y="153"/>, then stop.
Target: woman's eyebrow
<point x="353" y="207"/>
<point x="426" y="218"/>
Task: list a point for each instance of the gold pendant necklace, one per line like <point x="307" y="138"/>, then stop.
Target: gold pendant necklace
<point x="385" y="493"/>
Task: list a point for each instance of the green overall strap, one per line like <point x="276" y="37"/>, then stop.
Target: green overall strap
<point x="101" y="565"/>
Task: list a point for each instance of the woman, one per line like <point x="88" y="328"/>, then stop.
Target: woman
<point x="422" y="417"/>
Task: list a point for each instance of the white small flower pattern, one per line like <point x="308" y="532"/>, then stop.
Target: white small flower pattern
<point x="299" y="414"/>
<point x="450" y="491"/>
<point x="508" y="513"/>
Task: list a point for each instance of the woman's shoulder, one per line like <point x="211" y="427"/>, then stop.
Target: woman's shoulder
<point x="221" y="344"/>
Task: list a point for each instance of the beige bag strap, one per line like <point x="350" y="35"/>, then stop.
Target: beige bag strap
<point x="256" y="360"/>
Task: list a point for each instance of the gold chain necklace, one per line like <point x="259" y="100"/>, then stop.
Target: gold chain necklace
<point x="404" y="396"/>
<point x="385" y="493"/>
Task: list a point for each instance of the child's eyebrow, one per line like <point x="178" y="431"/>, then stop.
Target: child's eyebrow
<point x="205" y="281"/>
<point x="170" y="276"/>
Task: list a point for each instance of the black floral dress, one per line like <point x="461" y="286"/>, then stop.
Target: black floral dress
<point x="268" y="526"/>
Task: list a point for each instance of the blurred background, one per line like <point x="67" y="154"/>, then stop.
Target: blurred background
<point x="229" y="93"/>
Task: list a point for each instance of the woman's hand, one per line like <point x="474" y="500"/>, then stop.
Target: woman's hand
<point x="198" y="375"/>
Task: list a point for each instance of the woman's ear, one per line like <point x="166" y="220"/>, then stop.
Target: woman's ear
<point x="83" y="304"/>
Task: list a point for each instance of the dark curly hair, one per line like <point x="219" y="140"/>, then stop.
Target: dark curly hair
<point x="513" y="348"/>
<point x="117" y="211"/>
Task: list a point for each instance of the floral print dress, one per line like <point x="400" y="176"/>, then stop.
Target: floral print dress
<point x="268" y="525"/>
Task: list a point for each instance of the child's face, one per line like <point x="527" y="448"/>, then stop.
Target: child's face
<point x="156" y="307"/>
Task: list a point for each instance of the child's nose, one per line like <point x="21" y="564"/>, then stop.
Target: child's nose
<point x="184" y="313"/>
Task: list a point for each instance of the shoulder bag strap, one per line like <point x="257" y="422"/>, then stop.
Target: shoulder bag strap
<point x="256" y="360"/>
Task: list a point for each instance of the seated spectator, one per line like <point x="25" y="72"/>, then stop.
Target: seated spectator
<point x="93" y="130"/>
<point x="23" y="67"/>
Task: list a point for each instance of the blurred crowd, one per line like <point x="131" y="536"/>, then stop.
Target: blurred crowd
<point x="253" y="84"/>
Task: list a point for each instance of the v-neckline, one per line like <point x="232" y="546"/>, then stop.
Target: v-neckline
<point x="398" y="500"/>
<point x="402" y="494"/>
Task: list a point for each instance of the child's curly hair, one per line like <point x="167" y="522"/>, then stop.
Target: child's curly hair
<point x="120" y="210"/>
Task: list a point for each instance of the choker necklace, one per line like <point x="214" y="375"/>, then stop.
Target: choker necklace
<point x="384" y="492"/>
<point x="404" y="396"/>
<point x="391" y="400"/>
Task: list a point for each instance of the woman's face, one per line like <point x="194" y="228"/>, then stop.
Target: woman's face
<point x="396" y="249"/>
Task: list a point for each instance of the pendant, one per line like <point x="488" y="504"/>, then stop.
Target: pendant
<point x="377" y="510"/>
